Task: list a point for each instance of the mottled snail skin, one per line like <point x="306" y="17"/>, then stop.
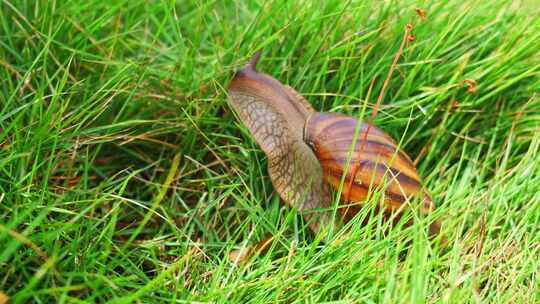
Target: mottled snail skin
<point x="307" y="151"/>
<point x="275" y="115"/>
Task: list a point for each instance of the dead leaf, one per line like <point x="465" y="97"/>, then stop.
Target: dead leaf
<point x="241" y="256"/>
<point x="3" y="298"/>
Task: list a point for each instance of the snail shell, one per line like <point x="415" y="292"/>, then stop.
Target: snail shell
<point x="382" y="166"/>
<point x="308" y="151"/>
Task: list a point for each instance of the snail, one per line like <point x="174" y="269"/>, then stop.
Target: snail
<point x="308" y="152"/>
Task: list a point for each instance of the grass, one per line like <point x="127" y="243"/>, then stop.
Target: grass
<point x="124" y="175"/>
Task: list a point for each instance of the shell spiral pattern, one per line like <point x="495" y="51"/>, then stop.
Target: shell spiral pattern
<point x="383" y="166"/>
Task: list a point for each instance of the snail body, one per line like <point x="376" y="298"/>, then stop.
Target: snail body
<point x="308" y="152"/>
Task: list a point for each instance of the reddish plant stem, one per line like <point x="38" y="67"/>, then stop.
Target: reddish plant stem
<point x="358" y="165"/>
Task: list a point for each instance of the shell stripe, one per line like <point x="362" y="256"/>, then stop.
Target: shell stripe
<point x="378" y="167"/>
<point x="371" y="145"/>
<point x="339" y="126"/>
<point x="392" y="199"/>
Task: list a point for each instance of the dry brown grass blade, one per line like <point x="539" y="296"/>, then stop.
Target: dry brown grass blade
<point x="407" y="36"/>
<point x="23" y="239"/>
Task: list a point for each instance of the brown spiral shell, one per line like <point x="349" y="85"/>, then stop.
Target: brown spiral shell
<point x="382" y="166"/>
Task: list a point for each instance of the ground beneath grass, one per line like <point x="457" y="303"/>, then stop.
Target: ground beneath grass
<point x="124" y="175"/>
